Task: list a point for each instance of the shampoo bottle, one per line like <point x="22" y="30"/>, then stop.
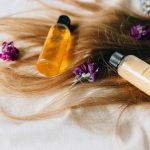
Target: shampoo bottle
<point x="133" y="69"/>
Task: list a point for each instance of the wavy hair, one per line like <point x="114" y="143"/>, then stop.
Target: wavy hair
<point x="97" y="32"/>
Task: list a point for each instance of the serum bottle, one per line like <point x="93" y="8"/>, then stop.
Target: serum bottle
<point x="133" y="69"/>
<point x="53" y="58"/>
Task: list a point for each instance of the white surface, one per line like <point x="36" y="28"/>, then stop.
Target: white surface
<point x="8" y="7"/>
<point x="73" y="130"/>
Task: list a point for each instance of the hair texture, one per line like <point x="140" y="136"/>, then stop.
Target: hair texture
<point x="97" y="32"/>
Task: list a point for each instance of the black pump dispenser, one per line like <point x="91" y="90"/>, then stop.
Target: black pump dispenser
<point x="63" y="19"/>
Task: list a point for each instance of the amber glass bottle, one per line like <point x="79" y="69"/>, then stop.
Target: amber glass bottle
<point x="54" y="57"/>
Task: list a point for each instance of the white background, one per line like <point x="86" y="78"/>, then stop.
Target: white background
<point x="65" y="132"/>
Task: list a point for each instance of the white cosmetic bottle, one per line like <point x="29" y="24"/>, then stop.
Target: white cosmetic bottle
<point x="132" y="69"/>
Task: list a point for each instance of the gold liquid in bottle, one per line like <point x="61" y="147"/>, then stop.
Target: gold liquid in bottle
<point x="53" y="59"/>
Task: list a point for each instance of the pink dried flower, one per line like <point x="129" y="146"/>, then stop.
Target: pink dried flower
<point x="9" y="52"/>
<point x="139" y="32"/>
<point x="87" y="71"/>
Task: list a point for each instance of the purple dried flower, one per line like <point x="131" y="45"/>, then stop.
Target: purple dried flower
<point x="86" y="71"/>
<point x="9" y="52"/>
<point x="139" y="31"/>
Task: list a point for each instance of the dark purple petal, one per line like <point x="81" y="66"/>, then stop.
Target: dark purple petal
<point x="91" y="68"/>
<point x="1" y="56"/>
<point x="84" y="68"/>
<point x="4" y="44"/>
<point x="11" y="44"/>
<point x="77" y="71"/>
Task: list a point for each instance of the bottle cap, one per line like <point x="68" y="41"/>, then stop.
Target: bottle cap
<point x="115" y="59"/>
<point x="64" y="20"/>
